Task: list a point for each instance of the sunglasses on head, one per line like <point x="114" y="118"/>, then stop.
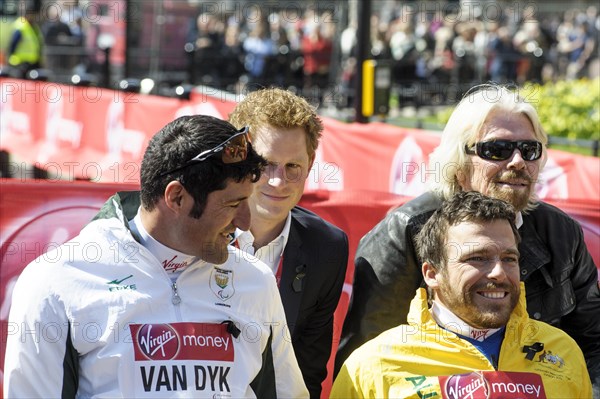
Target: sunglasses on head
<point x="501" y="150"/>
<point x="233" y="150"/>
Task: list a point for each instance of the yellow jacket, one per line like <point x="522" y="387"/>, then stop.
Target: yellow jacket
<point x="422" y="360"/>
<point x="29" y="48"/>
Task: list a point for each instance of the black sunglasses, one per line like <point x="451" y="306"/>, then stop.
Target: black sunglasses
<point x="501" y="150"/>
<point x="233" y="150"/>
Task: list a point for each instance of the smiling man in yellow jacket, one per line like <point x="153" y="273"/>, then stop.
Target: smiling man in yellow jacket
<point x="470" y="337"/>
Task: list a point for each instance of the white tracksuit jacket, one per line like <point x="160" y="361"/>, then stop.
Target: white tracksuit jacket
<point x="100" y="317"/>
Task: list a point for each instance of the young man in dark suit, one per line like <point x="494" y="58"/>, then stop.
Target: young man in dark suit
<point x="308" y="255"/>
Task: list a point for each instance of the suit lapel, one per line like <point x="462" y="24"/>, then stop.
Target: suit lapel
<point x="294" y="264"/>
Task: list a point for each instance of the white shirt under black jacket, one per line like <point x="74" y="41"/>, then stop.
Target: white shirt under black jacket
<point x="272" y="253"/>
<point x="101" y="317"/>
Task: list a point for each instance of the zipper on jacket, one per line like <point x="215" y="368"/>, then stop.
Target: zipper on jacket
<point x="175" y="298"/>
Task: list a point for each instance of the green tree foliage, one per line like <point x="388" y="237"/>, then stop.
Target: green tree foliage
<point x="568" y="109"/>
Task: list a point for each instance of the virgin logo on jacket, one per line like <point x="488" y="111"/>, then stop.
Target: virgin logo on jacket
<point x="172" y="266"/>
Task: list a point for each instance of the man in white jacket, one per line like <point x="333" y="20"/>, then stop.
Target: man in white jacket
<point x="150" y="300"/>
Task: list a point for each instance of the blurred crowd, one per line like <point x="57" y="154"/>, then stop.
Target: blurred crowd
<point x="313" y="49"/>
<point x="511" y="45"/>
<point x="438" y="47"/>
<point x="282" y="49"/>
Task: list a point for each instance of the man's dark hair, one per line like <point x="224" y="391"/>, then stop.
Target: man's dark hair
<point x="431" y="241"/>
<point x="177" y="143"/>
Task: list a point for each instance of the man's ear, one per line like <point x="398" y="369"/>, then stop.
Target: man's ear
<point x="461" y="177"/>
<point x="174" y="196"/>
<point x="311" y="161"/>
<point x="430" y="275"/>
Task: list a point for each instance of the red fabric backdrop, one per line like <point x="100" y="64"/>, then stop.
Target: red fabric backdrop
<point x="100" y="135"/>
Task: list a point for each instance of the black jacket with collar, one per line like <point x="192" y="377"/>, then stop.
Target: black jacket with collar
<point x="315" y="259"/>
<point x="561" y="279"/>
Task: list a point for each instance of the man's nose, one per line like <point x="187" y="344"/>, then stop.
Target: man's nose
<point x="497" y="272"/>
<point x="242" y="216"/>
<point x="516" y="160"/>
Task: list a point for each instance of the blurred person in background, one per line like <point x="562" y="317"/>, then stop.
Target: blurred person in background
<point x="207" y="37"/>
<point x="57" y="37"/>
<point x="317" y="49"/>
<point x="231" y="59"/>
<point x="578" y="46"/>
<point x="26" y="45"/>
<point x="259" y="49"/>
<point x="503" y="57"/>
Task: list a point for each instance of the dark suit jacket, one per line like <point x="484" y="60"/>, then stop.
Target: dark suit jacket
<point x="314" y="268"/>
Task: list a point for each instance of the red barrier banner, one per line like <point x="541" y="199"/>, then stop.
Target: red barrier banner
<point x="100" y="135"/>
<point x="381" y="157"/>
<point x="88" y="132"/>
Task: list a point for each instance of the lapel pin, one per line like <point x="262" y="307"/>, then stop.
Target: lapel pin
<point x="297" y="283"/>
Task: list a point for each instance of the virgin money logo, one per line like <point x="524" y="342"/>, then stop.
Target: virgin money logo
<point x="493" y="385"/>
<point x="472" y="386"/>
<point x="156" y="341"/>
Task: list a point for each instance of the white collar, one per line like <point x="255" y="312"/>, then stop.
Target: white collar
<point x="519" y="220"/>
<point x="448" y="320"/>
<point x="171" y="260"/>
<point x="246" y="238"/>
